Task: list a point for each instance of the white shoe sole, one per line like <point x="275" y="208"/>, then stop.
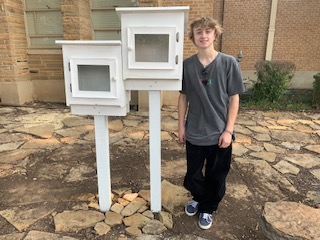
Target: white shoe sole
<point x="189" y="214"/>
<point x="204" y="227"/>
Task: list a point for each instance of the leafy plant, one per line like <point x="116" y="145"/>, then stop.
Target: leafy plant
<point x="273" y="78"/>
<point x="316" y="91"/>
<point x="292" y="100"/>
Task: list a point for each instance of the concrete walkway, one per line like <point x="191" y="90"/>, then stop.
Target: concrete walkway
<point x="276" y="154"/>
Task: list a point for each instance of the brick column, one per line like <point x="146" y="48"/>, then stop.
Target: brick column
<point x="15" y="84"/>
<point x="76" y="19"/>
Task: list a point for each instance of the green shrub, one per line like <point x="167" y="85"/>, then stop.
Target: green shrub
<point x="273" y="78"/>
<point x="316" y="91"/>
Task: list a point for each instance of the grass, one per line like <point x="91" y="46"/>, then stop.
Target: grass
<point x="293" y="100"/>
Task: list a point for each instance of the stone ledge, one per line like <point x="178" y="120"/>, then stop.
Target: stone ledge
<point x="290" y="220"/>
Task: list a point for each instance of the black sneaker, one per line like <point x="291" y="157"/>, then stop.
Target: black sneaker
<point x="205" y="220"/>
<point x="191" y="208"/>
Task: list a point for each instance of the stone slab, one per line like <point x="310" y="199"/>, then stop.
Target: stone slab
<point x="291" y="220"/>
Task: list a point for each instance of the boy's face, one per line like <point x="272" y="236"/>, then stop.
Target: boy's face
<point x="204" y="37"/>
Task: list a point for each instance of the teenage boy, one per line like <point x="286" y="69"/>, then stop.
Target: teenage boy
<point x="207" y="110"/>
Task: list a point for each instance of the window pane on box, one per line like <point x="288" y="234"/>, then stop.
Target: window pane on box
<point x="151" y="47"/>
<point x="94" y="78"/>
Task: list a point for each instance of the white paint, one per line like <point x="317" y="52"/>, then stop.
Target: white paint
<point x="155" y="150"/>
<point x="103" y="161"/>
<point x="93" y="53"/>
<point x="141" y="30"/>
<point x="161" y="30"/>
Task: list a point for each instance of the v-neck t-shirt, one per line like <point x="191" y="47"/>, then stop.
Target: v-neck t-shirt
<point x="208" y="90"/>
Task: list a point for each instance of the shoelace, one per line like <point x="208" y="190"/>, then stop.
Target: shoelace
<point x="207" y="217"/>
<point x="193" y="204"/>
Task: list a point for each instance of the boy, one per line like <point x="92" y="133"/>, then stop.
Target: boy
<point x="211" y="86"/>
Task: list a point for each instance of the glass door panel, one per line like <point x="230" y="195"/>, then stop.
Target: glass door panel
<point x="152" y="47"/>
<point x="94" y="78"/>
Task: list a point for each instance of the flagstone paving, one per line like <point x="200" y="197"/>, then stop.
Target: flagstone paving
<point x="49" y="184"/>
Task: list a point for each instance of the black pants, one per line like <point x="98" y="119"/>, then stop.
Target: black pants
<point x="208" y="187"/>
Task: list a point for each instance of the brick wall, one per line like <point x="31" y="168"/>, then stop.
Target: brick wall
<point x="297" y="31"/>
<point x="13" y="43"/>
<point x="6" y="65"/>
<point x="245" y="23"/>
<point x="76" y="19"/>
<point x="197" y="9"/>
<point x="297" y="36"/>
<point x="245" y="26"/>
<point x="47" y="69"/>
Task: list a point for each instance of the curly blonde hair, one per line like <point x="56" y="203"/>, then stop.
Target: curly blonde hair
<point x="205" y="22"/>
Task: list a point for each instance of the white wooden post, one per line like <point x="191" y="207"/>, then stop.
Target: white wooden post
<point x="103" y="161"/>
<point x="155" y="150"/>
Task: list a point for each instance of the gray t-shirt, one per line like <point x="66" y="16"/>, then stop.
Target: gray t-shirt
<point x="207" y="91"/>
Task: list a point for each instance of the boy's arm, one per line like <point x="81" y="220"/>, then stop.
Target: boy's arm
<point x="226" y="137"/>
<point x="182" y="109"/>
<point x="232" y="112"/>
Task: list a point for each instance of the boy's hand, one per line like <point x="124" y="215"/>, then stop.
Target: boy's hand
<point x="225" y="139"/>
<point x="182" y="134"/>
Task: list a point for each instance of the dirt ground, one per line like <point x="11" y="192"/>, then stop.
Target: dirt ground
<point x="233" y="220"/>
<point x="129" y="170"/>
